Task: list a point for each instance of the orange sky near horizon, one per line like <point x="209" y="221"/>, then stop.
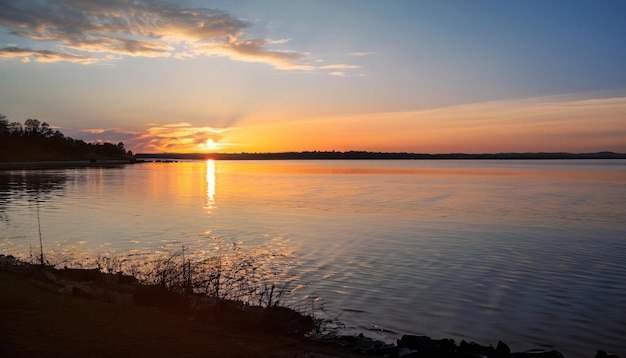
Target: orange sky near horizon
<point x="531" y="125"/>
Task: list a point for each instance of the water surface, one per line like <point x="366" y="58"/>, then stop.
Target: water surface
<point x="529" y="252"/>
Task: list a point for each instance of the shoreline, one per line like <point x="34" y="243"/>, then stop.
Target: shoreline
<point x="63" y="164"/>
<point x="34" y="295"/>
<point x="304" y="156"/>
<point x="79" y="312"/>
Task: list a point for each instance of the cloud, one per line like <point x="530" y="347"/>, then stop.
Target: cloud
<point x="256" y="51"/>
<point x="94" y="131"/>
<point x="85" y="32"/>
<point x="179" y="137"/>
<point x="361" y="53"/>
<point x="175" y="125"/>
<point x="105" y="135"/>
<point x="44" y="55"/>
<point x="340" y="66"/>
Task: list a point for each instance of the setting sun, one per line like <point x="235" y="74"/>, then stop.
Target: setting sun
<point x="210" y="144"/>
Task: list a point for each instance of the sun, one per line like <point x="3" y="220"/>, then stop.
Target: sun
<point x="210" y="144"/>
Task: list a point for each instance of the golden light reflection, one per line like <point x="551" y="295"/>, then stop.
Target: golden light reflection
<point x="210" y="184"/>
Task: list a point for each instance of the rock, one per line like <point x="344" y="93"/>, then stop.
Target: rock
<point x="476" y="349"/>
<point x="603" y="354"/>
<point x="367" y="346"/>
<point x="538" y="353"/>
<point x="404" y="352"/>
<point x="502" y="350"/>
<point x="424" y="346"/>
<point x="364" y="346"/>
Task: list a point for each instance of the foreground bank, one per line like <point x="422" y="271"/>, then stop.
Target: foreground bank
<point x="48" y="312"/>
<point x="72" y="313"/>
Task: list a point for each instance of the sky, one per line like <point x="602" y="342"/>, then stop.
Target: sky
<point x="482" y="76"/>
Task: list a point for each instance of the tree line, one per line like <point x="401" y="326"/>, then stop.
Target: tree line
<point x="38" y="141"/>
<point x="364" y="155"/>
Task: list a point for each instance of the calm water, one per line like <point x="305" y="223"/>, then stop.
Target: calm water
<point x="529" y="252"/>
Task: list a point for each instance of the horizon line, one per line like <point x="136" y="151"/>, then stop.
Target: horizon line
<point x="379" y="152"/>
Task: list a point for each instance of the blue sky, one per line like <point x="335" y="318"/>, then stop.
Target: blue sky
<point x="420" y="76"/>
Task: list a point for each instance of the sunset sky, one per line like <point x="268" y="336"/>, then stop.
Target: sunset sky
<point x="271" y="76"/>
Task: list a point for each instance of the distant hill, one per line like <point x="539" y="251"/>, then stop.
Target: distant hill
<point x="352" y="155"/>
<point x="36" y="141"/>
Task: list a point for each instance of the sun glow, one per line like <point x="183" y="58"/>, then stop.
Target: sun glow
<point x="211" y="145"/>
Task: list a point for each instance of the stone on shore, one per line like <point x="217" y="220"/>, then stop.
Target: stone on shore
<point x="410" y="346"/>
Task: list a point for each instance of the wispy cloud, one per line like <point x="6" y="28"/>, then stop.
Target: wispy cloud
<point x="339" y="66"/>
<point x="361" y="53"/>
<point x="177" y="125"/>
<point x="255" y="51"/>
<point x="44" y="55"/>
<point x="86" y="32"/>
<point x="340" y="69"/>
<point x="113" y="135"/>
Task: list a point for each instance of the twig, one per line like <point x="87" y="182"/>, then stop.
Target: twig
<point x="41" y="260"/>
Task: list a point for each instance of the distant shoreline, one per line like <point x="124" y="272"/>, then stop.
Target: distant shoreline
<point x="362" y="155"/>
<point x="351" y="155"/>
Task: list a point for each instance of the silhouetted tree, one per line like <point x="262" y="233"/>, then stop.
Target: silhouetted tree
<point x="4" y="124"/>
<point x="31" y="126"/>
<point x="15" y="128"/>
<point x="58" y="135"/>
<point x="46" y="132"/>
<point x="37" y="141"/>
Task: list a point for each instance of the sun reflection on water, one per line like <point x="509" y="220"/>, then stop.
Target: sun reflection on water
<point x="210" y="185"/>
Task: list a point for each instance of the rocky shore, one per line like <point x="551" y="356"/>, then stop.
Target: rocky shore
<point x="72" y="312"/>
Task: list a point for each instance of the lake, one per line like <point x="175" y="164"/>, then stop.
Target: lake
<point x="532" y="253"/>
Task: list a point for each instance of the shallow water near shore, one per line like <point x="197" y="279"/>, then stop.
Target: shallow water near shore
<point x="529" y="252"/>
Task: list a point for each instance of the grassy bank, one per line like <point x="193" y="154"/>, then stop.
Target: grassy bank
<point x="69" y="312"/>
